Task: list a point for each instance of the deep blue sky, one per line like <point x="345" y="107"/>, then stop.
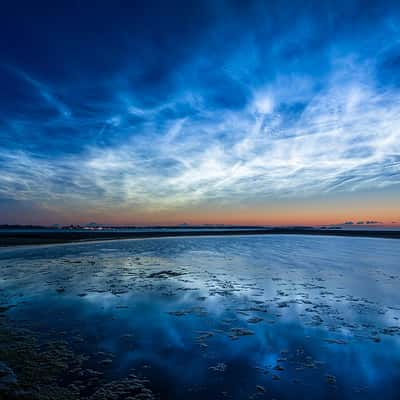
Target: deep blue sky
<point x="164" y="112"/>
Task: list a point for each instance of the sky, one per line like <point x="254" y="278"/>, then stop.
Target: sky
<point x="200" y="112"/>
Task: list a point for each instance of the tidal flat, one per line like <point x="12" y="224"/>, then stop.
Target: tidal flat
<point x="229" y="317"/>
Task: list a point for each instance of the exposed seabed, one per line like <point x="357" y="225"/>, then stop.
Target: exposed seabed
<point x="235" y="317"/>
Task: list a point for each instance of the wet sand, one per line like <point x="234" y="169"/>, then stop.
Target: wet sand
<point x="67" y="236"/>
<point x="228" y="317"/>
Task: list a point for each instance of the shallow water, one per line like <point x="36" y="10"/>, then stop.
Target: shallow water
<point x="282" y="317"/>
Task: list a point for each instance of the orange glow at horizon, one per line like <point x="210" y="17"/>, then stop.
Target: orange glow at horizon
<point x="317" y="214"/>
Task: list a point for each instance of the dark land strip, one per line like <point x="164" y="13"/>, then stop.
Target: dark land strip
<point x="68" y="236"/>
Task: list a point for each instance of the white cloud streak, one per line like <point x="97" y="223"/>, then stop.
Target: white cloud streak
<point x="346" y="138"/>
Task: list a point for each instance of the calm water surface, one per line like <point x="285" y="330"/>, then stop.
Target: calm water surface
<point x="282" y="317"/>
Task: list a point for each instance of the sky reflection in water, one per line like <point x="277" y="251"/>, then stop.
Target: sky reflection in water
<point x="215" y="317"/>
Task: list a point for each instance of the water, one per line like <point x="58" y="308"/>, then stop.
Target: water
<point x="283" y="317"/>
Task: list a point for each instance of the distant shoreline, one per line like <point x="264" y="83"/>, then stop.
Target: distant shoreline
<point x="10" y="239"/>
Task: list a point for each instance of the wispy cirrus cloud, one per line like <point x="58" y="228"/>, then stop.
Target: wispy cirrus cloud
<point x="280" y="115"/>
<point x="347" y="137"/>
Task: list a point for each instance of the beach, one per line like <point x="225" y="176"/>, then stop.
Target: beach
<point x="250" y="316"/>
